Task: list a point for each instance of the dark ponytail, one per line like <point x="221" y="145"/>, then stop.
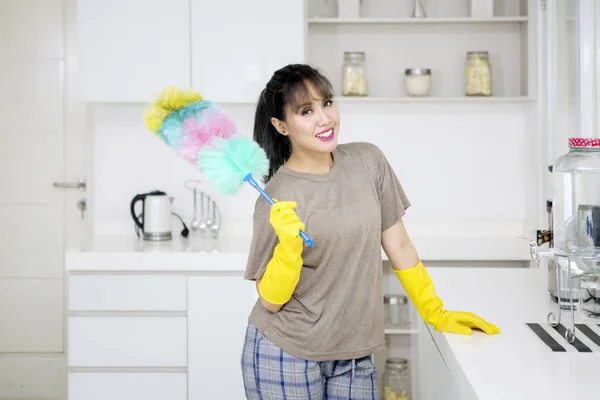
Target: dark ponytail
<point x="288" y="87"/>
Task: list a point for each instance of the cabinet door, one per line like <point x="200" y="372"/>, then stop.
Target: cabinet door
<point x="238" y="44"/>
<point x="218" y="310"/>
<point x="129" y="50"/>
<point x="436" y="381"/>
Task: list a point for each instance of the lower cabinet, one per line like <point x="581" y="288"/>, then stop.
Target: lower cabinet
<point x="218" y="310"/>
<point x="436" y="381"/>
<point x="136" y="337"/>
<point x="127" y="386"/>
<point x="127" y="341"/>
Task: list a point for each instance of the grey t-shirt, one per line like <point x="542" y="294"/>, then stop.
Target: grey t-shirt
<point x="336" y="311"/>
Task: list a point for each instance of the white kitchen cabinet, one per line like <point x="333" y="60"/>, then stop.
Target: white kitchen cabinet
<point x="129" y="50"/>
<point x="218" y="310"/>
<point x="113" y="292"/>
<point x="436" y="381"/>
<point x="238" y="44"/>
<point x="127" y="386"/>
<point x="127" y="341"/>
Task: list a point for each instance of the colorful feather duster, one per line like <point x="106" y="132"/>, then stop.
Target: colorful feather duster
<point x="202" y="133"/>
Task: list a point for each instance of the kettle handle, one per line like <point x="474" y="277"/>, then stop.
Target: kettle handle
<point x="139" y="197"/>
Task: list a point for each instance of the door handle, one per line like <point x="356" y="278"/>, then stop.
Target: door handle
<point x="81" y="185"/>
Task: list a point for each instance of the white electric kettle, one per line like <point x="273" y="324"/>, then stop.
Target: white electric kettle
<point x="155" y="219"/>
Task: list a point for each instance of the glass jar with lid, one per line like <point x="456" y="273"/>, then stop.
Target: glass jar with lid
<point x="395" y="310"/>
<point x="417" y="81"/>
<point x="478" y="74"/>
<point x="576" y="211"/>
<point x="354" y="74"/>
<point x="396" y="379"/>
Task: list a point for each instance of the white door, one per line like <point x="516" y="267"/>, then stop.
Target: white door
<point x="40" y="143"/>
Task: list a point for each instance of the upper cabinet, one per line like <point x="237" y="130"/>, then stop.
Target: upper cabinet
<point x="238" y="44"/>
<point x="128" y="50"/>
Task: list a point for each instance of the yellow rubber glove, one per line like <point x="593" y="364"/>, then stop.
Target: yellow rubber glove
<point x="283" y="270"/>
<point x="420" y="290"/>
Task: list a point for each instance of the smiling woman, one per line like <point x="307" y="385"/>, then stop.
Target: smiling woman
<point x="296" y="119"/>
<point x="319" y="317"/>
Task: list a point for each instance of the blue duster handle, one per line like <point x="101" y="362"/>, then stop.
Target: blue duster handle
<point x="248" y="178"/>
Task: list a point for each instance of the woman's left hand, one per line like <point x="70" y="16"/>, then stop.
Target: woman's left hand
<point x="463" y="323"/>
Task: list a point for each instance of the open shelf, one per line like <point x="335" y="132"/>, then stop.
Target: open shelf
<point x="457" y="20"/>
<point x="390" y="330"/>
<point x="430" y="99"/>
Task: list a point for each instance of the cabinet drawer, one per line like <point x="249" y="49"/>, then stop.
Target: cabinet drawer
<point x="127" y="293"/>
<point x="127" y="386"/>
<point x="127" y="342"/>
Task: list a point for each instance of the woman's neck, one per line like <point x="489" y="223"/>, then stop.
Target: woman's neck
<point x="315" y="163"/>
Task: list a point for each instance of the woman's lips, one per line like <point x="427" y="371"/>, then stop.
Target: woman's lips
<point x="326" y="136"/>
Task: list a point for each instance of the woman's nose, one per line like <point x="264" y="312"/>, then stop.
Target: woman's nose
<point x="324" y="118"/>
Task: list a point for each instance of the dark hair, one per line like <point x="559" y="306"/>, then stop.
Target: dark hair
<point x="289" y="86"/>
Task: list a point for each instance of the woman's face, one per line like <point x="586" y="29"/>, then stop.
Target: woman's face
<point x="312" y="126"/>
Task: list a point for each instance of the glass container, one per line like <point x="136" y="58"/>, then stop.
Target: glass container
<point x="417" y="81"/>
<point x="354" y="74"/>
<point x="396" y="310"/>
<point x="396" y="379"/>
<point x="576" y="214"/>
<point x="478" y="74"/>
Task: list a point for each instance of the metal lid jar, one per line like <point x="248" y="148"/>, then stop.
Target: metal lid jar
<point x="396" y="310"/>
<point x="417" y="81"/>
<point x="396" y="379"/>
<point x="478" y="74"/>
<point x="354" y="74"/>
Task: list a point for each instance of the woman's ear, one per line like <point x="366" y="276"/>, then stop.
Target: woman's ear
<point x="279" y="125"/>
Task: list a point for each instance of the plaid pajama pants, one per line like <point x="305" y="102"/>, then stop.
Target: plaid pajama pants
<point x="272" y="374"/>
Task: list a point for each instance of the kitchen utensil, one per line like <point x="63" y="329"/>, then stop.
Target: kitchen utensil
<point x="195" y="223"/>
<point x="418" y="11"/>
<point x="155" y="218"/>
<point x="209" y="220"/>
<point x="216" y="218"/>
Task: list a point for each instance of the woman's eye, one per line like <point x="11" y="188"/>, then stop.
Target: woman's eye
<point x="328" y="103"/>
<point x="306" y="112"/>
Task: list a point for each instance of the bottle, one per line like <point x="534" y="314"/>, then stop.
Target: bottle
<point x="478" y="74"/>
<point x="354" y="74"/>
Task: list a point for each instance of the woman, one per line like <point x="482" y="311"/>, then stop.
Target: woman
<point x="320" y="313"/>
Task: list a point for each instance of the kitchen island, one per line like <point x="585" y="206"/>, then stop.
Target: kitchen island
<point x="516" y="364"/>
<point x="167" y="320"/>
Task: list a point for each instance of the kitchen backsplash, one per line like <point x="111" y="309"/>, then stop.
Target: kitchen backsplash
<point x="466" y="170"/>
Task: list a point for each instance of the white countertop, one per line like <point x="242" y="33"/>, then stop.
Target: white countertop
<point x="229" y="253"/>
<point x="128" y="253"/>
<point x="515" y="364"/>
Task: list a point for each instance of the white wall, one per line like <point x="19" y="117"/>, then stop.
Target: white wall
<point x="469" y="169"/>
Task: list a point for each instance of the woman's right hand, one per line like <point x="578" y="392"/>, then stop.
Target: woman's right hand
<point x="283" y="270"/>
<point x="285" y="222"/>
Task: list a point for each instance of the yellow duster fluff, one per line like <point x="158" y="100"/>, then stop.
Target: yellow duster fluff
<point x="154" y="117"/>
<point x="171" y="98"/>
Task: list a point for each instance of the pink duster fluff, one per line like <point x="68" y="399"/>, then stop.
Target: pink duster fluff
<point x="199" y="133"/>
